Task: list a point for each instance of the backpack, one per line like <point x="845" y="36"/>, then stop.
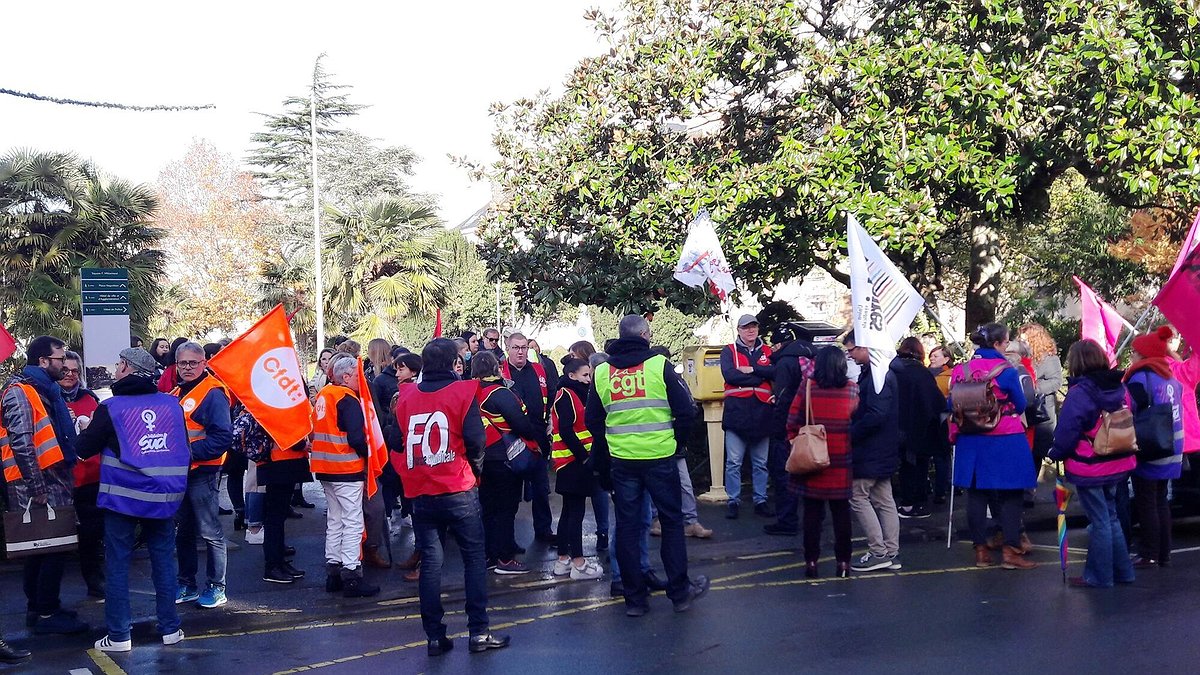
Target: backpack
<point x="1117" y="433"/>
<point x="250" y="439"/>
<point x="976" y="408"/>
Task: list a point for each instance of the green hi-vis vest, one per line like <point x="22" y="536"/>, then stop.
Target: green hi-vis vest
<point x="639" y="420"/>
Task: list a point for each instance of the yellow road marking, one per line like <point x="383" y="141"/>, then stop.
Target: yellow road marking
<point x="772" y="554"/>
<point x="105" y="662"/>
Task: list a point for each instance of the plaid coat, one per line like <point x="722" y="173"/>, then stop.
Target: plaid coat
<point x="832" y="408"/>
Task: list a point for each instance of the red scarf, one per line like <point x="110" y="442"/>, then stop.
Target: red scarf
<point x="1158" y="364"/>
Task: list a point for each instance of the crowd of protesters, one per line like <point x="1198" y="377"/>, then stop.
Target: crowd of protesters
<point x="475" y="425"/>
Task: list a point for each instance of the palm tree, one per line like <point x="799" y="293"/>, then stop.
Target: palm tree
<point x="58" y="214"/>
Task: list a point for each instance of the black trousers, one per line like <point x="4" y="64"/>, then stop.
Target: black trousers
<point x="1154" y="515"/>
<point x="786" y="501"/>
<point x="570" y="525"/>
<point x="1006" y="507"/>
<point x="914" y="480"/>
<point x="499" y="499"/>
<point x="91" y="535"/>
<point x="276" y="504"/>
<point x="814" y="522"/>
<point x="43" y="581"/>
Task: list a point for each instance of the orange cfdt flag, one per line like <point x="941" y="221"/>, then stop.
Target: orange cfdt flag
<point x="261" y="368"/>
<point x="377" y="450"/>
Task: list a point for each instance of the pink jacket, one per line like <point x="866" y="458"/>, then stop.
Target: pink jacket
<point x="1188" y="374"/>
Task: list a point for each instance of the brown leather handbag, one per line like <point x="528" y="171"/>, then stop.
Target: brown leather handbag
<point x="810" y="448"/>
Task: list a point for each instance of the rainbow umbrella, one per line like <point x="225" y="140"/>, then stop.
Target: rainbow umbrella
<point x="1061" y="497"/>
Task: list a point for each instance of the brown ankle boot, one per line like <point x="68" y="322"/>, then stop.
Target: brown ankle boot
<point x="996" y="541"/>
<point x="983" y="556"/>
<point x="1014" y="561"/>
<point x="1026" y="544"/>
<point x="372" y="558"/>
<point x="412" y="562"/>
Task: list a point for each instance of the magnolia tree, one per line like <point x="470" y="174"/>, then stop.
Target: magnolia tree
<point x="943" y="126"/>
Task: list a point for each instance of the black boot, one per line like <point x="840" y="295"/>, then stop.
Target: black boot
<point x="333" y="578"/>
<point x="10" y="654"/>
<point x="354" y="586"/>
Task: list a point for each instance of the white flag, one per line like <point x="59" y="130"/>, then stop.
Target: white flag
<point x="885" y="304"/>
<point x="702" y="259"/>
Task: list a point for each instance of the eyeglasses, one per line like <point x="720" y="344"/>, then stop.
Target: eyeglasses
<point x="523" y="348"/>
<point x="188" y="364"/>
<point x="71" y="371"/>
<point x="490" y="339"/>
<point x="55" y="358"/>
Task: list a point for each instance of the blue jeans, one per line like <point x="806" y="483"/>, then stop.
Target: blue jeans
<point x="1108" y="554"/>
<point x="254" y="508"/>
<point x="736" y="449"/>
<point x="458" y="512"/>
<point x="118" y="545"/>
<point x="198" y="514"/>
<point x="632" y="480"/>
<point x="643" y="543"/>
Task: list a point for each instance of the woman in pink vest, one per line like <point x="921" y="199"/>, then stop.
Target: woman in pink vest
<point x="1094" y="390"/>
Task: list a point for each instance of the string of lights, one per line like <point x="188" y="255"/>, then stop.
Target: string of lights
<point x="103" y="104"/>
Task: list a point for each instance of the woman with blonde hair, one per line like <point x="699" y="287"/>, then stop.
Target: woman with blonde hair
<point x="379" y="356"/>
<point x="1047" y="380"/>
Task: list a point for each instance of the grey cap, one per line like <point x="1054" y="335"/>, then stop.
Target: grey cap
<point x="746" y="320"/>
<point x="140" y="360"/>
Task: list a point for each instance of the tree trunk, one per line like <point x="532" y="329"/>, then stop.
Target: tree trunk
<point x="983" y="291"/>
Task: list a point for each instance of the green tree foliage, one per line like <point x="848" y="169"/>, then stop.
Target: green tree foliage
<point x="670" y="328"/>
<point x="941" y="124"/>
<point x="57" y="215"/>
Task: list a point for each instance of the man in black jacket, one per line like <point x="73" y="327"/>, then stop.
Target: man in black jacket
<point x="746" y="419"/>
<point x="875" y="448"/>
<point x="532" y="384"/>
<point x="792" y="358"/>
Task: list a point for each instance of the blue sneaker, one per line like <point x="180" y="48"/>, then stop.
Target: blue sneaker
<point x="186" y="594"/>
<point x="213" y="596"/>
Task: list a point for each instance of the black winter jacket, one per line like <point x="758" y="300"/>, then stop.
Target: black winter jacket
<point x="875" y="428"/>
<point x="749" y="417"/>
<point x="788" y="380"/>
<point x="921" y="408"/>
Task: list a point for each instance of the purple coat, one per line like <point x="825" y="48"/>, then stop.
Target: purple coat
<point x="1078" y="423"/>
<point x="1160" y="390"/>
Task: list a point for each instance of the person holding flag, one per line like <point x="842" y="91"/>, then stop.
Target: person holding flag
<point x="338" y="458"/>
<point x="206" y="409"/>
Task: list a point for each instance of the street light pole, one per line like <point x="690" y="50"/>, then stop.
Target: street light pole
<point x="316" y="206"/>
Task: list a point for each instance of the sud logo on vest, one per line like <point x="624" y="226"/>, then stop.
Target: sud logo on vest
<point x="150" y="442"/>
<point x="275" y="379"/>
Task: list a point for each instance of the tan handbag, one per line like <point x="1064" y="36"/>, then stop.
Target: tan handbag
<point x="810" y="449"/>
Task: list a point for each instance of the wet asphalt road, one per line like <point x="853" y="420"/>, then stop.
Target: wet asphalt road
<point x="938" y="614"/>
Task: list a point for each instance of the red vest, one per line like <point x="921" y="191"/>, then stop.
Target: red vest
<point x="494" y="424"/>
<point x="560" y="454"/>
<point x="87" y="471"/>
<point x="434" y="460"/>
<point x="763" y="391"/>
<point x="541" y="373"/>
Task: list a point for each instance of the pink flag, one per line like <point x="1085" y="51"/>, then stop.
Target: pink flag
<point x="1101" y="322"/>
<point x="1188" y="245"/>
<point x="1180" y="297"/>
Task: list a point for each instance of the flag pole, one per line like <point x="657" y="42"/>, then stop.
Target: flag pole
<point x="950" y="516"/>
<point x="316" y="213"/>
<point x="1133" y="331"/>
<point x="942" y="326"/>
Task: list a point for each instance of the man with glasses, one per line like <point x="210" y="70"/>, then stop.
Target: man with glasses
<point x="531" y="384"/>
<point x="491" y="343"/>
<point x="38" y="458"/>
<point x="82" y="403"/>
<point x="210" y="434"/>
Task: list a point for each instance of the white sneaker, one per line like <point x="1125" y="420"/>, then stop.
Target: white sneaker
<point x="173" y="638"/>
<point x="253" y="537"/>
<point x="590" y="570"/>
<point x="106" y="644"/>
<point x="562" y="567"/>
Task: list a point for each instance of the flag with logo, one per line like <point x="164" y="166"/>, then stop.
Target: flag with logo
<point x="702" y="261"/>
<point x="1100" y="322"/>
<point x="7" y="344"/>
<point x="884" y="303"/>
<point x="377" y="454"/>
<point x="1180" y="297"/>
<point x="262" y="370"/>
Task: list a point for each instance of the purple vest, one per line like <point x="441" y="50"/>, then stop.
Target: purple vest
<point x="149" y="479"/>
<point x="1162" y="390"/>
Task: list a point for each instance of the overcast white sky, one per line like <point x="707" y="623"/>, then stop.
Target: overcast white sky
<point x="428" y="69"/>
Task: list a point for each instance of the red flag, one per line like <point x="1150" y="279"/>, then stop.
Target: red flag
<point x="8" y="346"/>
<point x="437" y="326"/>
<point x="1180" y="297"/>
<point x="377" y="454"/>
<point x="1100" y="322"/>
<point x="263" y="371"/>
